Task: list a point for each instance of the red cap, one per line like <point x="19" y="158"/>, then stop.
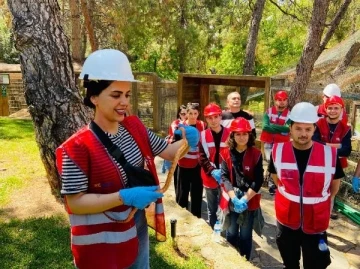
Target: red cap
<point x="240" y="125"/>
<point x="332" y="100"/>
<point x="212" y="109"/>
<point x="281" y="95"/>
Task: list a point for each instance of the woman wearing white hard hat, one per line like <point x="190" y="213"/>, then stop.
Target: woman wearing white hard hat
<point x="95" y="165"/>
<point x="307" y="174"/>
<point x="331" y="90"/>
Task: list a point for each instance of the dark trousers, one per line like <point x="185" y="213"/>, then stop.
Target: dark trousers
<point x="176" y="178"/>
<point x="189" y="181"/>
<point x="292" y="242"/>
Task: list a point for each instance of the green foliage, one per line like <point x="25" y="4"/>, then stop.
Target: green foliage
<point x="8" y="53"/>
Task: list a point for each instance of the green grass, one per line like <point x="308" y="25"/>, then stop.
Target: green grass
<point x="45" y="242"/>
<point x="20" y="161"/>
<point x="35" y="243"/>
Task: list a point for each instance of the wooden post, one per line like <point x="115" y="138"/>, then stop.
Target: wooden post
<point x="267" y="94"/>
<point x="204" y="98"/>
<point x="134" y="99"/>
<point x="180" y="90"/>
<point x="156" y="104"/>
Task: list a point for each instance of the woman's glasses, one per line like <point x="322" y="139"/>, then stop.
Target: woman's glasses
<point x="193" y="105"/>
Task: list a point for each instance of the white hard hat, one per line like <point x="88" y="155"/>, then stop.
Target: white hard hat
<point x="107" y="64"/>
<point x="331" y="90"/>
<point x="304" y="112"/>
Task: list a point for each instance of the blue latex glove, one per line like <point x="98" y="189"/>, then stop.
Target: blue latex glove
<point x="240" y="205"/>
<point x="192" y="135"/>
<point x="140" y="197"/>
<point x="355" y="184"/>
<point x="216" y="173"/>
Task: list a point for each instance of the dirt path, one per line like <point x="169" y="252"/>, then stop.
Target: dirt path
<point x="33" y="201"/>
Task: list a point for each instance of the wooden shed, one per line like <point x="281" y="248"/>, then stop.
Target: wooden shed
<point x="196" y="87"/>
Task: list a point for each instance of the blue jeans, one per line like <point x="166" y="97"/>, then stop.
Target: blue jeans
<point x="212" y="198"/>
<point x="242" y="240"/>
<point x="142" y="260"/>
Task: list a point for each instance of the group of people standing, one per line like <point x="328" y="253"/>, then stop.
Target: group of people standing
<point x="306" y="149"/>
<point x="103" y="168"/>
<point x="226" y="164"/>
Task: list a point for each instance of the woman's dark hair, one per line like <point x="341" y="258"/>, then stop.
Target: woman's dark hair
<point x="94" y="88"/>
<point x="179" y="110"/>
<point x="232" y="143"/>
<point x="195" y="106"/>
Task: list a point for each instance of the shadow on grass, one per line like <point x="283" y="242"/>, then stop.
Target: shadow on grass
<point x="35" y="243"/>
<point x="16" y="129"/>
<point x="45" y="243"/>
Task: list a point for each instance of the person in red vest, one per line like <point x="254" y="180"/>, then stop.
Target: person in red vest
<point x="212" y="140"/>
<point x="189" y="178"/>
<point x="181" y="117"/>
<point x="95" y="181"/>
<point x="275" y="128"/>
<point x="333" y="132"/>
<point x="243" y="174"/>
<point x="307" y="175"/>
<point x="331" y="90"/>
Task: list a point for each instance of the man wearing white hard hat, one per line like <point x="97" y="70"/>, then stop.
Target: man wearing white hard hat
<point x="307" y="174"/>
<point x="331" y="90"/>
<point x="95" y="166"/>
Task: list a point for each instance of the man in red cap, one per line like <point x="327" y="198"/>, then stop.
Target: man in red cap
<point x="275" y="128"/>
<point x="332" y="131"/>
<point x="212" y="140"/>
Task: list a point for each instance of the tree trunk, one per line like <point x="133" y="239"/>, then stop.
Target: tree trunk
<point x="311" y="51"/>
<point x="75" y="31"/>
<point x="180" y="38"/>
<point x="54" y="102"/>
<point x="313" y="48"/>
<point x="249" y="62"/>
<point x="89" y="26"/>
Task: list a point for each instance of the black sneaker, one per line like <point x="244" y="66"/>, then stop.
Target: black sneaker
<point x="334" y="216"/>
<point x="272" y="189"/>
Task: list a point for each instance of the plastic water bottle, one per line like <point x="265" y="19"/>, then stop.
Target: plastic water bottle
<point x="322" y="245"/>
<point x="217" y="232"/>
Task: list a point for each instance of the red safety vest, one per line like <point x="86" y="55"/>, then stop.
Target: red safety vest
<point x="191" y="159"/>
<point x="207" y="141"/>
<point x="339" y="134"/>
<point x="277" y="119"/>
<point x="173" y="126"/>
<point x="306" y="206"/>
<point x="97" y="241"/>
<point x="343" y="117"/>
<point x="251" y="158"/>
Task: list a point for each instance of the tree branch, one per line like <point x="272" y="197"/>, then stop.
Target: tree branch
<point x="284" y="11"/>
<point x="334" y="24"/>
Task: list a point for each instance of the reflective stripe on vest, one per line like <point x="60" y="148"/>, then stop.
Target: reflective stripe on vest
<point x="104" y="237"/>
<point x="99" y="218"/>
<point x="328" y="170"/>
<point x="207" y="141"/>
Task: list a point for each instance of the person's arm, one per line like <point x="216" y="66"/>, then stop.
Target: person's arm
<point x="357" y="170"/>
<point x="272" y="171"/>
<point x="204" y="161"/>
<point x="259" y="180"/>
<point x="274" y="128"/>
<point x="91" y="203"/>
<point x="335" y="183"/>
<point x="225" y="175"/>
<point x="345" y="149"/>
